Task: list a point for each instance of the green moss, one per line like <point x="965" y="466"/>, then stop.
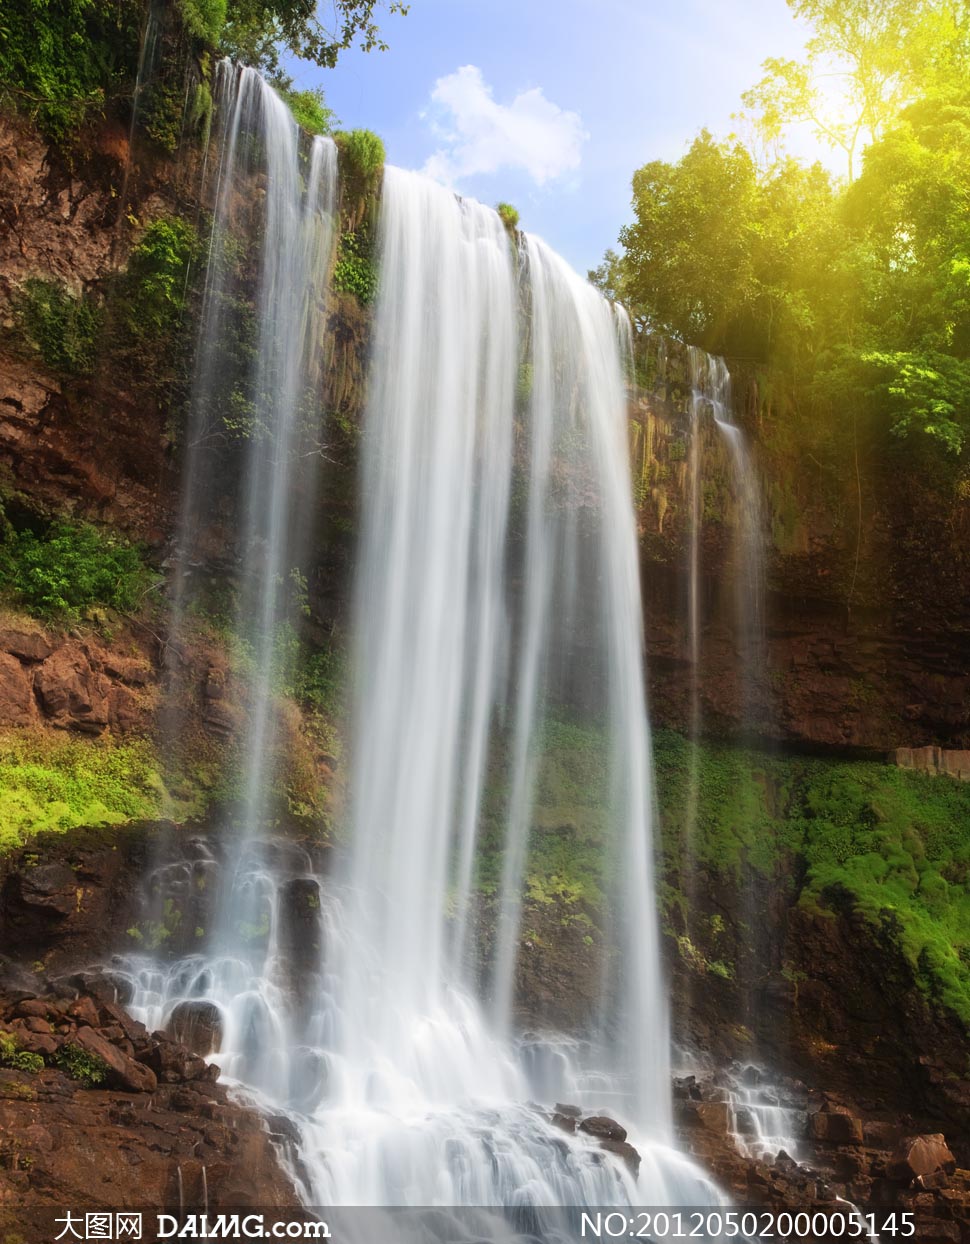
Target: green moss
<point x="889" y="844"/>
<point x="63" y="569"/>
<point x="64" y="329"/>
<point x="56" y="783"/>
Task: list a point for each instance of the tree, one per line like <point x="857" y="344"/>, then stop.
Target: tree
<point x="262" y="32"/>
<point x="866" y="60"/>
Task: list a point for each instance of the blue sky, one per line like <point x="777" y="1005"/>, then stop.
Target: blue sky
<point x="551" y="104"/>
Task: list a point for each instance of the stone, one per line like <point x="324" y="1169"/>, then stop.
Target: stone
<point x="625" y="1152"/>
<point x="123" y="1072"/>
<point x="197" y="1025"/>
<point x="171" y="1063"/>
<point x="564" y="1122"/>
<point x="572" y="1112"/>
<point x="920" y="1156"/>
<point x="72" y="694"/>
<point x="131" y="670"/>
<point x="26" y="643"/>
<point x="602" y="1128"/>
<point x="84" y="1012"/>
<point x="50" y="887"/>
<point x="834" y="1125"/>
<point x="17" y="706"/>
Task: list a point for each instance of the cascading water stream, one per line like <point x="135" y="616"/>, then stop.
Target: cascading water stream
<point x="497" y="595"/>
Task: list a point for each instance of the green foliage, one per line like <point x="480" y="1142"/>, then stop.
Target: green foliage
<point x="262" y="33"/>
<point x="890" y="843"/>
<point x="63" y="328"/>
<point x="88" y="1069"/>
<point x="56" y="783"/>
<point x="355" y="271"/>
<point x="361" y="157"/>
<point x="17" y="1059"/>
<point x="60" y="60"/>
<point x="157" y="276"/>
<point x="852" y="298"/>
<point x="310" y="110"/>
<point x="508" y="215"/>
<point x="203" y="19"/>
<point x="67" y="568"/>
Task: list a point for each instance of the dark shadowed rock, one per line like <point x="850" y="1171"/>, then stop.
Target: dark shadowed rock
<point x="625" y="1152"/>
<point x="603" y="1128"/>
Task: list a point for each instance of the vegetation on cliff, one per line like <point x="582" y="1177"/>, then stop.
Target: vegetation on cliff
<point x="855" y="292"/>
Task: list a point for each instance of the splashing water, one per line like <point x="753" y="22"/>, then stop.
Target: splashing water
<point x="497" y="594"/>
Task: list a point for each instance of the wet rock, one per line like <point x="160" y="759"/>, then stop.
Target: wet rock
<point x="50" y="888"/>
<point x="571" y="1112"/>
<point x="602" y="1127"/>
<point x="123" y="1072"/>
<point x="625" y="1152"/>
<point x="920" y="1156"/>
<point x="197" y="1025"/>
<point x="172" y="1063"/>
<point x="564" y="1122"/>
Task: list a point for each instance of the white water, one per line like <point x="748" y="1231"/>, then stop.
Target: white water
<point x="497" y="590"/>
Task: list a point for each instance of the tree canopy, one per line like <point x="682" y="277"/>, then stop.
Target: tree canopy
<point x="857" y="289"/>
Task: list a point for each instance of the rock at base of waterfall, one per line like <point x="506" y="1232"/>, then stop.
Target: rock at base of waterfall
<point x="625" y="1152"/>
<point x="601" y="1127"/>
<point x="197" y="1025"/>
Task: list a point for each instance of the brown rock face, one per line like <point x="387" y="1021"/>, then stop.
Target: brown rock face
<point x="72" y="693"/>
<point x="17" y="707"/>
<point x="835" y="1127"/>
<point x="123" y="1072"/>
<point x="921" y="1157"/>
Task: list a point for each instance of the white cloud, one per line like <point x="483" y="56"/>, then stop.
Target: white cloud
<point x="479" y="135"/>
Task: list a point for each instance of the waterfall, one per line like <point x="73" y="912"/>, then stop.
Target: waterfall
<point x="497" y="596"/>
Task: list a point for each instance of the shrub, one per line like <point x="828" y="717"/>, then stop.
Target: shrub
<point x="17" y="1059"/>
<point x="362" y="156"/>
<point x="60" y="59"/>
<point x="71" y="567"/>
<point x="157" y="275"/>
<point x="81" y="1065"/>
<point x="310" y="110"/>
<point x="508" y="215"/>
<point x="355" y="271"/>
<point x="63" y="328"/>
<point x="203" y="19"/>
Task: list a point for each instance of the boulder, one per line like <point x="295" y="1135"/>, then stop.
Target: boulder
<point x="564" y="1122"/>
<point x="26" y="643"/>
<point x="171" y="1063"/>
<point x="602" y="1127"/>
<point x="625" y="1152"/>
<point x="123" y="1072"/>
<point x="919" y="1157"/>
<point x="72" y="694"/>
<point x="17" y="707"/>
<point x="835" y="1125"/>
<point x="197" y="1025"/>
<point x="84" y="1012"/>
